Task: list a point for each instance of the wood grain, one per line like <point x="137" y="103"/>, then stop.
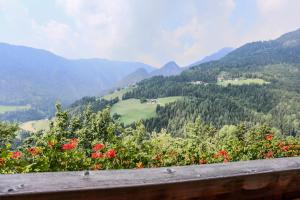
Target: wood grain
<point x="259" y="179"/>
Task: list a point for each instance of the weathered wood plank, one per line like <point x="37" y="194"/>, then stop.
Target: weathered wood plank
<point x="267" y="179"/>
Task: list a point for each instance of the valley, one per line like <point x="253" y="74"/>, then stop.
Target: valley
<point x="242" y="106"/>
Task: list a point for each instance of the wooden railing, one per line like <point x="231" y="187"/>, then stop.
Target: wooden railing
<point x="267" y="179"/>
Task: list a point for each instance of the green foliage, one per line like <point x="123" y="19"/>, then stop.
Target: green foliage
<point x="143" y="100"/>
<point x="7" y="133"/>
<point x="94" y="141"/>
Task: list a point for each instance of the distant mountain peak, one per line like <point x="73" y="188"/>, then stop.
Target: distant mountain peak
<point x="170" y="64"/>
<point x="215" y="56"/>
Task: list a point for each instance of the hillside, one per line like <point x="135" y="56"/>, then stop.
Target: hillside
<point x="40" y="78"/>
<point x="256" y="83"/>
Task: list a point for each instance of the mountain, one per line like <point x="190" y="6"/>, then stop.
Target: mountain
<point x="169" y="69"/>
<point x="215" y="56"/>
<point x="39" y="78"/>
<point x="133" y="78"/>
<point x="258" y="83"/>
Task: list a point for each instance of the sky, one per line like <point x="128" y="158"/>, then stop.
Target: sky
<point x="149" y="31"/>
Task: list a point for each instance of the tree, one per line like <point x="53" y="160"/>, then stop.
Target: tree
<point x="143" y="100"/>
<point x="7" y="133"/>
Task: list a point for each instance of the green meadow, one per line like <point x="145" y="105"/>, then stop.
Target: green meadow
<point x="243" y="82"/>
<point x="131" y="110"/>
<point x="4" y="108"/>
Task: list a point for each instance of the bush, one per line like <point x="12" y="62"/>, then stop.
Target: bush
<point x="93" y="141"/>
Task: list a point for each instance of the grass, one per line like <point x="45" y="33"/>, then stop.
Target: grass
<point x="132" y="110"/>
<point x="118" y="93"/>
<point x="4" y="109"/>
<point x="243" y="82"/>
<point x="35" y="126"/>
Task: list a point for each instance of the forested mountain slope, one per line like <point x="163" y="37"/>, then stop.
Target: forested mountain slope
<point x="256" y="83"/>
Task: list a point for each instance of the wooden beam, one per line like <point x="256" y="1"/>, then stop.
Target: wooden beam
<point x="267" y="179"/>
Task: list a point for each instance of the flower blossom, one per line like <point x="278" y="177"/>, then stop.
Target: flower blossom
<point x="202" y="161"/>
<point x="71" y="145"/>
<point x="33" y="151"/>
<point x="98" y="147"/>
<point x="269" y="137"/>
<point x="111" y="153"/>
<point x="97" y="155"/>
<point x="285" y="148"/>
<point x="224" y="154"/>
<point x="16" y="155"/>
<point x="269" y="154"/>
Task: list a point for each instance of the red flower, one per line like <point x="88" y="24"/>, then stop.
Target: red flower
<point x="33" y="151"/>
<point x="226" y="160"/>
<point x="111" y="153"/>
<point x="71" y="145"/>
<point x="97" y="167"/>
<point x="67" y="146"/>
<point x="16" y="155"/>
<point x="202" y="161"/>
<point x="269" y="137"/>
<point x="285" y="148"/>
<point x="221" y="153"/>
<point x="269" y="154"/>
<point x="97" y="155"/>
<point x="98" y="147"/>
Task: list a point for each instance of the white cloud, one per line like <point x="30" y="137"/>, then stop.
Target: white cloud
<point x="131" y="30"/>
<point x="152" y="31"/>
<point x="276" y="18"/>
<point x="267" y="6"/>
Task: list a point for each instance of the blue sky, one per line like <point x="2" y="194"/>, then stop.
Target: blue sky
<point x="150" y="31"/>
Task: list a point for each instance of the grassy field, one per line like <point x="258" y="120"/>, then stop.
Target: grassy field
<point x="34" y="126"/>
<point x="243" y="82"/>
<point x="117" y="94"/>
<point x="4" y="109"/>
<point x="132" y="110"/>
